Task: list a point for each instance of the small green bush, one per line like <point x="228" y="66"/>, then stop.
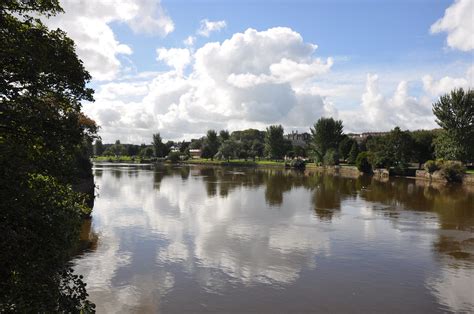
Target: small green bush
<point x="331" y="158"/>
<point x="453" y="171"/>
<point x="298" y="164"/>
<point x="173" y="157"/>
<point x="353" y="153"/>
<point x="431" y="166"/>
<point x="362" y="163"/>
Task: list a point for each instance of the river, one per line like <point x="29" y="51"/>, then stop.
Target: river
<point x="203" y="239"/>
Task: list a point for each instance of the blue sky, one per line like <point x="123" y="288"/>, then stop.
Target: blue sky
<point x="367" y="32"/>
<point x="378" y="64"/>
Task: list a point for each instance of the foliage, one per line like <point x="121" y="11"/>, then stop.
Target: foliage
<point x="116" y="149"/>
<point x="298" y="163"/>
<point x="326" y="134"/>
<point x="351" y="159"/>
<point x="392" y="150"/>
<point x="400" y="145"/>
<point x="362" y="162"/>
<point x="146" y="152"/>
<point x="345" y="146"/>
<point x="34" y="274"/>
<point x="331" y="157"/>
<point x="431" y="166"/>
<point x="252" y="143"/>
<point x="174" y="157"/>
<point x="196" y="143"/>
<point x="453" y="171"/>
<point x="160" y="149"/>
<point x="300" y="151"/>
<point x="183" y="146"/>
<point x="275" y="144"/>
<point x="229" y="149"/>
<point x="45" y="140"/>
<point x="210" y="145"/>
<point x="206" y="152"/>
<point x="447" y="148"/>
<point x="455" y="114"/>
<point x="381" y="154"/>
<point x="223" y="136"/>
<point x="257" y="149"/>
<point x="98" y="148"/>
<point x="423" y="148"/>
<point x="46" y="7"/>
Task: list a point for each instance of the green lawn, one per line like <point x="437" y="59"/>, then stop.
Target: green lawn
<point x="471" y="171"/>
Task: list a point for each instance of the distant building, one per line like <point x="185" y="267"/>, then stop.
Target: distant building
<point x="298" y="139"/>
<point x="363" y="136"/>
<point x="174" y="149"/>
<point x="195" y="153"/>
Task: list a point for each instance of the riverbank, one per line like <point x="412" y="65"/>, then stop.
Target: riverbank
<point x="130" y="159"/>
<point x="468" y="178"/>
<point x="236" y="162"/>
<point x="342" y="170"/>
<point x="215" y="162"/>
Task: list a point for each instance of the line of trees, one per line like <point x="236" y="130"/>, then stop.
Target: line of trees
<point x="328" y="145"/>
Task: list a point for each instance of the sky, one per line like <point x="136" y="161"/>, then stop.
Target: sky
<point x="182" y="67"/>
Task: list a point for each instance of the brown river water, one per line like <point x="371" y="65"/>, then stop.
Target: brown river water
<point x="203" y="239"/>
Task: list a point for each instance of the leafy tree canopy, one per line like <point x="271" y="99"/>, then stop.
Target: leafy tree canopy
<point x="455" y="114"/>
<point x="275" y="144"/>
<point x="43" y="136"/>
<point x="326" y="134"/>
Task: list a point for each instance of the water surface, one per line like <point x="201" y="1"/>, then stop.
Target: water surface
<point x="199" y="239"/>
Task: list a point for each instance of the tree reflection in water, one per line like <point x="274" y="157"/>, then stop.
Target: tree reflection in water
<point x="203" y="231"/>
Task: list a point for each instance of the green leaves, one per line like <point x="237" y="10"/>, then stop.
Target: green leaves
<point x="275" y="144"/>
<point x="326" y="134"/>
<point x="43" y="136"/>
<point x="455" y="114"/>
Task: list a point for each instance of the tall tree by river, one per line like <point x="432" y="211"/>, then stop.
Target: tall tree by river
<point x="43" y="137"/>
<point x="455" y="114"/>
<point x="326" y="135"/>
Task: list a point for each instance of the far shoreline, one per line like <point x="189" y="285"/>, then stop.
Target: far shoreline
<point x="338" y="170"/>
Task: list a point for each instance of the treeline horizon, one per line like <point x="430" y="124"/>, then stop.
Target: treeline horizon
<point x="292" y="131"/>
<point x="328" y="144"/>
<point x="256" y="136"/>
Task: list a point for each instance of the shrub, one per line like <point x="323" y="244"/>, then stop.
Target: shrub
<point x="173" y="157"/>
<point x="331" y="158"/>
<point x="298" y="164"/>
<point x="362" y="163"/>
<point x="353" y="153"/>
<point x="453" y="171"/>
<point x="431" y="166"/>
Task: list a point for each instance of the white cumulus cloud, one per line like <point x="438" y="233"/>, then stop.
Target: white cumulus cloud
<point x="189" y="41"/>
<point x="180" y="105"/>
<point x="88" y="24"/>
<point x="458" y="22"/>
<point x="178" y="58"/>
<point x="207" y="27"/>
<point x="379" y="113"/>
<point x="254" y="79"/>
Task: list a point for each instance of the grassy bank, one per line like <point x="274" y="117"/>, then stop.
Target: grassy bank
<point x="243" y="162"/>
<point x="131" y="159"/>
<point x="236" y="162"/>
